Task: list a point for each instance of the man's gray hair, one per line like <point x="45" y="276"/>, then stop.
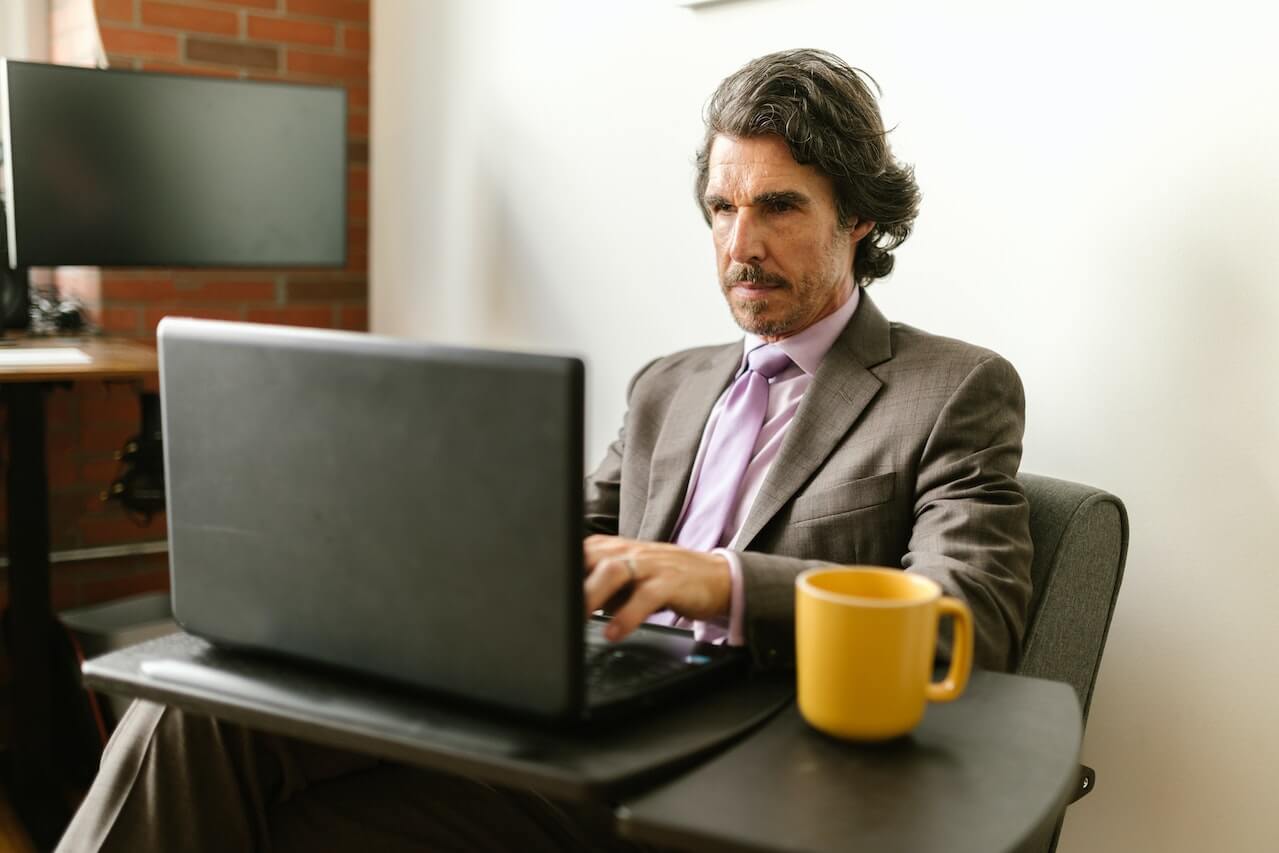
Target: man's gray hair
<point x="824" y="110"/>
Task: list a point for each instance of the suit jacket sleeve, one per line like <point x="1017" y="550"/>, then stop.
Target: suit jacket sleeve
<point x="970" y="530"/>
<point x="604" y="486"/>
<point x="603" y="490"/>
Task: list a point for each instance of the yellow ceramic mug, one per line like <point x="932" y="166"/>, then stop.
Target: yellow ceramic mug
<point x="865" y="640"/>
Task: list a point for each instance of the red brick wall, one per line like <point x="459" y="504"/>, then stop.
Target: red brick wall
<point x="312" y="41"/>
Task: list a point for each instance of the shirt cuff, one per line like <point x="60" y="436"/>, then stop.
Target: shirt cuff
<point x="737" y="600"/>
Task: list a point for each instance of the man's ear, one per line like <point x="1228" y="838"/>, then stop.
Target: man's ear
<point x="859" y="230"/>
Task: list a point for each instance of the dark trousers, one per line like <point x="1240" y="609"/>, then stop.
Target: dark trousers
<point x="172" y="781"/>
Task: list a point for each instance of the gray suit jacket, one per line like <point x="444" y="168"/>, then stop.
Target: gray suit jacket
<point x="904" y="452"/>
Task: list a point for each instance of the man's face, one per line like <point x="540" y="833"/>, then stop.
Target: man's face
<point x="783" y="261"/>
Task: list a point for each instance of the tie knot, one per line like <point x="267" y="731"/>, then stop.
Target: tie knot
<point x="768" y="361"/>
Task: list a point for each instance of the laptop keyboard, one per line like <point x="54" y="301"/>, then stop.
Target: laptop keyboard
<point x="613" y="672"/>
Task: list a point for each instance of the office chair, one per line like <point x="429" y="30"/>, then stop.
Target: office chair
<point x="1081" y="541"/>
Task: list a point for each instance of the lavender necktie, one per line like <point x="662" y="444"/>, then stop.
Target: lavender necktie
<point x="728" y="453"/>
<point x="729" y="449"/>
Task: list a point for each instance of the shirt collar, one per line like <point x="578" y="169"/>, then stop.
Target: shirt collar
<point x="809" y="347"/>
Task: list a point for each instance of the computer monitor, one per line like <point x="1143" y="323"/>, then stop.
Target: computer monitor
<point x="120" y="168"/>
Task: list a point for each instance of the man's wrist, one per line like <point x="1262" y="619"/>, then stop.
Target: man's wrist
<point x="736" y="617"/>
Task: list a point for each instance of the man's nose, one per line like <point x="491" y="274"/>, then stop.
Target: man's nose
<point x="746" y="240"/>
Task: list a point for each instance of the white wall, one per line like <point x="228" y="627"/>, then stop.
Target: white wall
<point x="24" y="29"/>
<point x="1100" y="185"/>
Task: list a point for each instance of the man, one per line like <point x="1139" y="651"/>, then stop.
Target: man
<point x="881" y="444"/>
<point x="829" y="436"/>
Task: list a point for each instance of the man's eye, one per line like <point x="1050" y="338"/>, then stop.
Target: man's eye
<point x="720" y="207"/>
<point x="780" y="206"/>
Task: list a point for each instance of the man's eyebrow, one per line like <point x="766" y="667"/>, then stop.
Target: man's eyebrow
<point x="792" y="197"/>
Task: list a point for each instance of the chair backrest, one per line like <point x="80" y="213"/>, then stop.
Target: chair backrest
<point x="1081" y="540"/>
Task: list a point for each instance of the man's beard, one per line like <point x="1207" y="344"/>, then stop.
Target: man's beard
<point x="749" y="316"/>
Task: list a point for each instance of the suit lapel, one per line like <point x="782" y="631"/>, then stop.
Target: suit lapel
<point x="841" y="390"/>
<point x="677" y="442"/>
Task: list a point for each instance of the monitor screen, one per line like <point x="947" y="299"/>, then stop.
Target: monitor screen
<point x="120" y="168"/>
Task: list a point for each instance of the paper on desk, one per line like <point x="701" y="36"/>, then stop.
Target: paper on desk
<point x="43" y="355"/>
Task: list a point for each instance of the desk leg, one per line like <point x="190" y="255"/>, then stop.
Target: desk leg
<point x="36" y="793"/>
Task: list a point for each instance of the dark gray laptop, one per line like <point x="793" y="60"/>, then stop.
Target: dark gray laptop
<point x="408" y="511"/>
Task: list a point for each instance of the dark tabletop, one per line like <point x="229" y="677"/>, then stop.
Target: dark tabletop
<point x="990" y="772"/>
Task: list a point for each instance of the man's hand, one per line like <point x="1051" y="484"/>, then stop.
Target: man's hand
<point x="646" y="577"/>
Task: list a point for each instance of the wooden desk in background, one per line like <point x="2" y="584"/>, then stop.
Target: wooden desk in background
<point x="29" y="367"/>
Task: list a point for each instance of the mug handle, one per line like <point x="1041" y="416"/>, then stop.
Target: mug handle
<point x="961" y="654"/>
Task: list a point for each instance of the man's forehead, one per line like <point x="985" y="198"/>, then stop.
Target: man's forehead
<point x="765" y="155"/>
<point x="757" y="163"/>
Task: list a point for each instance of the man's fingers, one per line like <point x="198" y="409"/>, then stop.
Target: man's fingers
<point x="610" y="577"/>
<point x="599" y="547"/>
<point x="647" y="599"/>
<point x="619" y="584"/>
<point x="635" y="579"/>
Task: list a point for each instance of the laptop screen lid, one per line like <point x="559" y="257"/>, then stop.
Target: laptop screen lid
<point x="397" y="508"/>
